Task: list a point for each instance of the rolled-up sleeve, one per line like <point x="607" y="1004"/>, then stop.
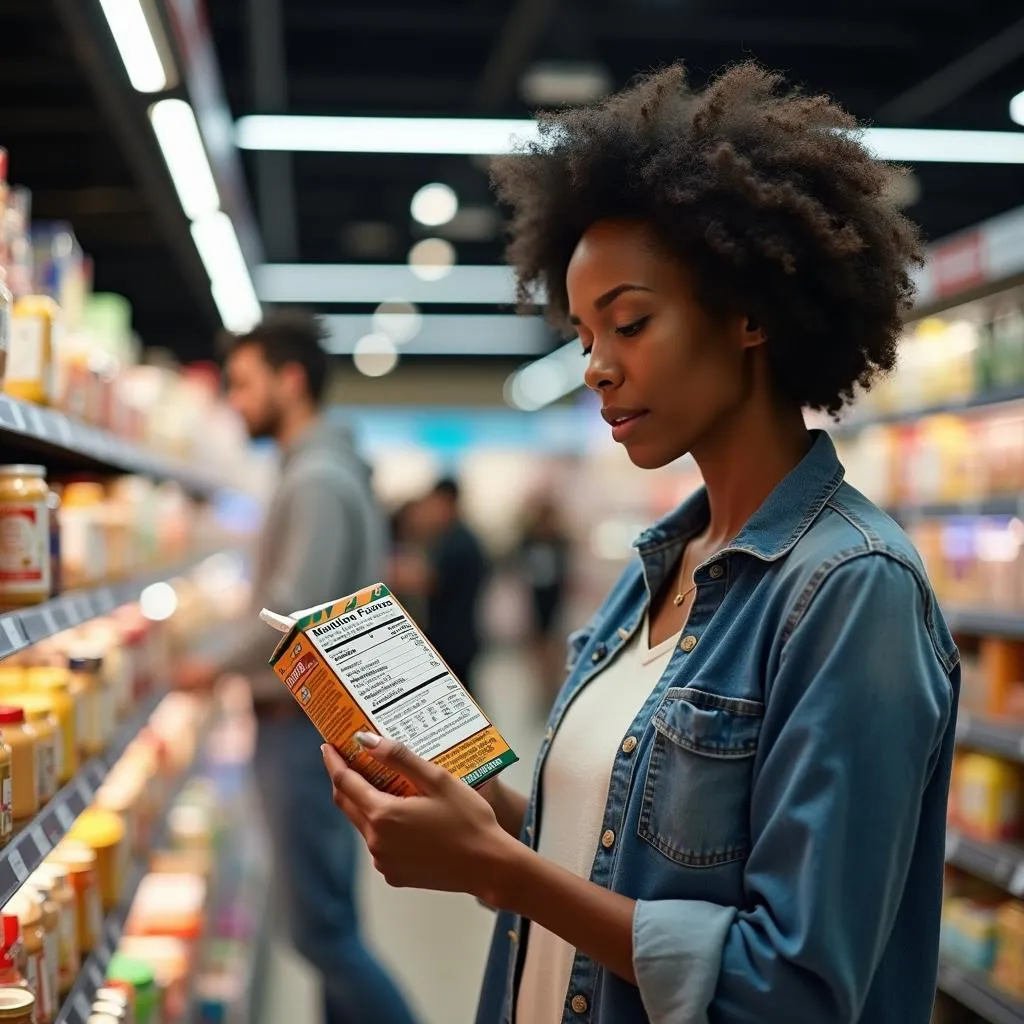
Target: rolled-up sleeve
<point x="855" y="717"/>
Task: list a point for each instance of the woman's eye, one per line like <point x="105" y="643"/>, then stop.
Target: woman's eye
<point x="632" y="329"/>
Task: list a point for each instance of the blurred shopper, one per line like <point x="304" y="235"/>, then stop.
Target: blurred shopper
<point x="544" y="566"/>
<point x="741" y="807"/>
<point x="324" y="537"/>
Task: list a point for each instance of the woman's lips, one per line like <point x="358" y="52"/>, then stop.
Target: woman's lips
<point x="623" y="421"/>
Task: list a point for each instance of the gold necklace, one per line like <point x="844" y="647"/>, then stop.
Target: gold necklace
<point x="682" y="595"/>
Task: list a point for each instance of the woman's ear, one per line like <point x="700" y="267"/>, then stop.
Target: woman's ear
<point x="753" y="333"/>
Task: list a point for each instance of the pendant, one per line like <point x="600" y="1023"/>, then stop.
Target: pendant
<point x="678" y="600"/>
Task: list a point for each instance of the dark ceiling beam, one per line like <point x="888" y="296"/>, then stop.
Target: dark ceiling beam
<point x="342" y="92"/>
<point x="50" y="121"/>
<point x="275" y="180"/>
<point x="516" y="43"/>
<point x="102" y="67"/>
<point x="956" y="78"/>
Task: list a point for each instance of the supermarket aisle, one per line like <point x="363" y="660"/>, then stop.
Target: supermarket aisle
<point x="418" y="934"/>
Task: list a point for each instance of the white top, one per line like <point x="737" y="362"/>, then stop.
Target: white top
<point x="575" y="792"/>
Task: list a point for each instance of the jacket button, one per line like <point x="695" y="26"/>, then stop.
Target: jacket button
<point x="688" y="643"/>
<point x="717" y="572"/>
<point x="513" y="935"/>
<point x="599" y="652"/>
<point x="629" y="745"/>
<point x="579" y="1004"/>
<point x="549" y="735"/>
<point x="608" y="839"/>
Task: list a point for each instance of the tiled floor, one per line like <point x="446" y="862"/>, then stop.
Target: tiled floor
<point x="419" y="935"/>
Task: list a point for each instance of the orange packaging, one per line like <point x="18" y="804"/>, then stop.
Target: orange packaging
<point x="361" y="664"/>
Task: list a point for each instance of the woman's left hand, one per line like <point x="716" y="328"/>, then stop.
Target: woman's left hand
<point x="445" y="838"/>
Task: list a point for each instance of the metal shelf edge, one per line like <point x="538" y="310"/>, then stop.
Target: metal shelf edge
<point x="973" y="990"/>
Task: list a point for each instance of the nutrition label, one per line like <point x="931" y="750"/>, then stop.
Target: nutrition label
<point x="397" y="678"/>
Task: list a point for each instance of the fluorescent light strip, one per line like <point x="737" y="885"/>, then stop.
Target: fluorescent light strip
<point x="546" y="380"/>
<point x="177" y="132"/>
<point x="230" y="282"/>
<point x="485" y="136"/>
<point x="449" y="335"/>
<point x="135" y="43"/>
<point x="368" y="282"/>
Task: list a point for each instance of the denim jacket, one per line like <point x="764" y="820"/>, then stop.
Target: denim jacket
<point x="777" y="808"/>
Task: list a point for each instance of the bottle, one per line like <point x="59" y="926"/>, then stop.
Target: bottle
<point x="30" y="357"/>
<point x="54" y="683"/>
<point x="24" y="536"/>
<point x="55" y="878"/>
<point x="21" y="738"/>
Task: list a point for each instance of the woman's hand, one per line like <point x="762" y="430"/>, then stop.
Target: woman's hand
<point x="446" y="838"/>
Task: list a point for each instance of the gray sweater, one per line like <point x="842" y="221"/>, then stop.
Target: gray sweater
<point x="324" y="538"/>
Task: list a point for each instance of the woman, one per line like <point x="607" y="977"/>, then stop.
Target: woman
<point x="739" y="809"/>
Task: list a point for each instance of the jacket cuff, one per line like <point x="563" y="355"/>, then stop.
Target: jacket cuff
<point x="677" y="955"/>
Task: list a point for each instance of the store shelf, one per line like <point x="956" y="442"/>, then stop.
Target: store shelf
<point x="31" y="431"/>
<point x="983" y="400"/>
<point x="1008" y="505"/>
<point x="78" y="1005"/>
<point x="1002" y="864"/>
<point x="979" y="622"/>
<point x="33" y="843"/>
<point x="26" y="626"/>
<point x="973" y="990"/>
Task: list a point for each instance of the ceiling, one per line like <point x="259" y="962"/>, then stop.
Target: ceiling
<point x="77" y="134"/>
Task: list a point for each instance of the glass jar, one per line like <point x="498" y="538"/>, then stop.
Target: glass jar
<point x="83" y="536"/>
<point x="39" y="715"/>
<point x="85" y="686"/>
<point x="17" y="1006"/>
<point x="51" y="941"/>
<point x="104" y="833"/>
<point x="142" y="979"/>
<point x="55" y="685"/>
<point x="85" y="883"/>
<point x="24" y="536"/>
<point x="6" y="794"/>
<point x="57" y="880"/>
<point x="21" y="738"/>
<point x="30" y="363"/>
<point x="26" y="905"/>
<point x="118" y="998"/>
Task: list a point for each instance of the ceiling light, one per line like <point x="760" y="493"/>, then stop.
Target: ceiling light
<point x="482" y="136"/>
<point x="1017" y="108"/>
<point x="399" y="320"/>
<point x="564" y="83"/>
<point x="177" y="132"/>
<point x="158" y="602"/>
<point x="312" y="283"/>
<point x="488" y="137"/>
<point x="546" y="380"/>
<point x="135" y="43"/>
<point x="230" y="282"/>
<point x="434" y="204"/>
<point x="432" y="259"/>
<point x="375" y="355"/>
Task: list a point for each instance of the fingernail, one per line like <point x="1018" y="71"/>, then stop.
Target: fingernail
<point x="323" y="751"/>
<point x="367" y="739"/>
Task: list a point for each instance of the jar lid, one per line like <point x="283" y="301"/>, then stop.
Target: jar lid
<point x="85" y="663"/>
<point x="22" y="469"/>
<point x="98" y="828"/>
<point x="12" y="716"/>
<point x="75" y="855"/>
<point x="137" y="973"/>
<point x="27" y="904"/>
<point x="15" y="1003"/>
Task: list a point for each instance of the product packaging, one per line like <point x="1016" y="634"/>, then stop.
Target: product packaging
<point x="361" y="664"/>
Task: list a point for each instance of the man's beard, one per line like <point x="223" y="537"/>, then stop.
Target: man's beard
<point x="268" y="427"/>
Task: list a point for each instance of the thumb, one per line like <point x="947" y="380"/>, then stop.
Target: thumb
<point x="424" y="775"/>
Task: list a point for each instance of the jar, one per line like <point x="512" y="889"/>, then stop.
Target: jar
<point x="118" y="999"/>
<point x="85" y="686"/>
<point x="21" y="738"/>
<point x="56" y="574"/>
<point x="30" y="363"/>
<point x="6" y="794"/>
<point x="56" y="879"/>
<point x="17" y="1006"/>
<point x="39" y="715"/>
<point x="27" y="906"/>
<point x="24" y="536"/>
<point x="101" y="1017"/>
<point x="55" y="685"/>
<point x="12" y="953"/>
<point x="51" y="940"/>
<point x="104" y="833"/>
<point x="85" y="883"/>
<point x="142" y="979"/>
<point x="82" y="533"/>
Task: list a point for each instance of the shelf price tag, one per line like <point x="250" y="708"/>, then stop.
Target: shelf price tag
<point x="12" y="632"/>
<point x="1016" y="884"/>
<point x="10" y="413"/>
<point x="65" y="816"/>
<point x="95" y="974"/>
<point x="17" y="863"/>
<point x="952" y="844"/>
<point x="42" y="844"/>
<point x="82" y="1007"/>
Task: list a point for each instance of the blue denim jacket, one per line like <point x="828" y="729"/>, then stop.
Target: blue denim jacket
<point x="777" y="808"/>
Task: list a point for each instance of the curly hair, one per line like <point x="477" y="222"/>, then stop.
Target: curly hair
<point x="766" y="194"/>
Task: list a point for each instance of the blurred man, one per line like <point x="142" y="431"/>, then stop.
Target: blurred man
<point x="323" y="538"/>
<point x="457" y="573"/>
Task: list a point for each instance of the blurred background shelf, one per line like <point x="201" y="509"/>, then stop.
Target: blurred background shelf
<point x="973" y="990"/>
<point x="1002" y="864"/>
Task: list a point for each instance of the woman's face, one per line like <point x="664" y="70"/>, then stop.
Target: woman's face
<point x="668" y="371"/>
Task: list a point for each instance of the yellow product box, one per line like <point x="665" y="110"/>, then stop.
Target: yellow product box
<point x="361" y="664"/>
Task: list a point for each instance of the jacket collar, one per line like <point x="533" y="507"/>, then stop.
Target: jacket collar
<point x="783" y="518"/>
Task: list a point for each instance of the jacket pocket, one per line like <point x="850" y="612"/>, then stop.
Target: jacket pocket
<point x="696" y="800"/>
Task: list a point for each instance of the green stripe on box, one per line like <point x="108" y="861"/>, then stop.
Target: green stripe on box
<point x="478" y="776"/>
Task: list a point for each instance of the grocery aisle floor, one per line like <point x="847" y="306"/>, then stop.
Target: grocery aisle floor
<point x="419" y="935"/>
